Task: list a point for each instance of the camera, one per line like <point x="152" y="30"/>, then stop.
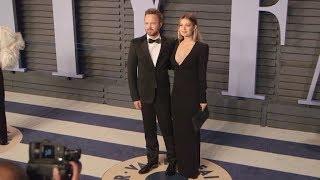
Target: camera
<point x="45" y="155"/>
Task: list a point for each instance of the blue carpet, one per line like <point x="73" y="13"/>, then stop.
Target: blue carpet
<point x="123" y="152"/>
<point x="208" y="136"/>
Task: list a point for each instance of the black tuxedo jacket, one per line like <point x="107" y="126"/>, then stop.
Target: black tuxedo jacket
<point x="144" y="81"/>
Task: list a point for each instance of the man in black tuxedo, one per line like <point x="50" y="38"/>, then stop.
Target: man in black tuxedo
<point x="3" y="123"/>
<point x="150" y="88"/>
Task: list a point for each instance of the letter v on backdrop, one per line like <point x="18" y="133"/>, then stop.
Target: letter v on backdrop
<point x="243" y="44"/>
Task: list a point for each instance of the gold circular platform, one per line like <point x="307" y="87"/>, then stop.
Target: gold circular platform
<point x="129" y="170"/>
<point x="14" y="137"/>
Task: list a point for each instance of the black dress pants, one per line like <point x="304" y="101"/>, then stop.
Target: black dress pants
<point x="158" y="109"/>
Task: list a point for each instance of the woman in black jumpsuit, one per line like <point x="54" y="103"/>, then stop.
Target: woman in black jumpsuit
<point x="188" y="95"/>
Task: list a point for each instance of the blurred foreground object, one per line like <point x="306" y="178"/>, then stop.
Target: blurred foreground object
<point x="10" y="45"/>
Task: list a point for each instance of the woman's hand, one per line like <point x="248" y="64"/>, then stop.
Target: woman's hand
<point x="203" y="105"/>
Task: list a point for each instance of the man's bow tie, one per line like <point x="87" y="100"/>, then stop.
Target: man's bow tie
<point x="155" y="41"/>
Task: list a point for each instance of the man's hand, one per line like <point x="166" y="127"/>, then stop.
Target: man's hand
<point x="137" y="104"/>
<point x="203" y="105"/>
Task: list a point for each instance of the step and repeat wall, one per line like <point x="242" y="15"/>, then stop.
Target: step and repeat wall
<point x="104" y="29"/>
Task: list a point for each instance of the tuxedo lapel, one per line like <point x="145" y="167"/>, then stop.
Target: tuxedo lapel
<point x="162" y="50"/>
<point x="145" y="49"/>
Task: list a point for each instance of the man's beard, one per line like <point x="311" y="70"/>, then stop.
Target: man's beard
<point x="152" y="32"/>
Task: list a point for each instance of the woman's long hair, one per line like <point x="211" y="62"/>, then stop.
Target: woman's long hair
<point x="192" y="18"/>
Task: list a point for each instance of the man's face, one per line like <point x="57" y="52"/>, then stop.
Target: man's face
<point x="152" y="24"/>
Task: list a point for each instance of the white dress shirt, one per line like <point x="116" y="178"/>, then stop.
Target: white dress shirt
<point x="154" y="49"/>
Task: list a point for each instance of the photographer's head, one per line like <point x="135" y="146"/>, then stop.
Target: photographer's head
<point x="10" y="171"/>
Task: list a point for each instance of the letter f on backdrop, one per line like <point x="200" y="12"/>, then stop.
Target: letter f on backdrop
<point x="139" y="7"/>
<point x="244" y="41"/>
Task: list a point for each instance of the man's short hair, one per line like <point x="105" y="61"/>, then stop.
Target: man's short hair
<point x="155" y="12"/>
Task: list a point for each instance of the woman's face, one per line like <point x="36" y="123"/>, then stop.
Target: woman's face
<point x="186" y="28"/>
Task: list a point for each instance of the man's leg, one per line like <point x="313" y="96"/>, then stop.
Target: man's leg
<point x="150" y="132"/>
<point x="165" y="122"/>
<point x="163" y="110"/>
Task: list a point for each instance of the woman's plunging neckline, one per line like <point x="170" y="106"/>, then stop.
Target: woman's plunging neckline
<point x="186" y="56"/>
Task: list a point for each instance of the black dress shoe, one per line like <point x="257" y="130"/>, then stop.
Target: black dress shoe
<point x="171" y="169"/>
<point x="195" y="176"/>
<point x="148" y="167"/>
